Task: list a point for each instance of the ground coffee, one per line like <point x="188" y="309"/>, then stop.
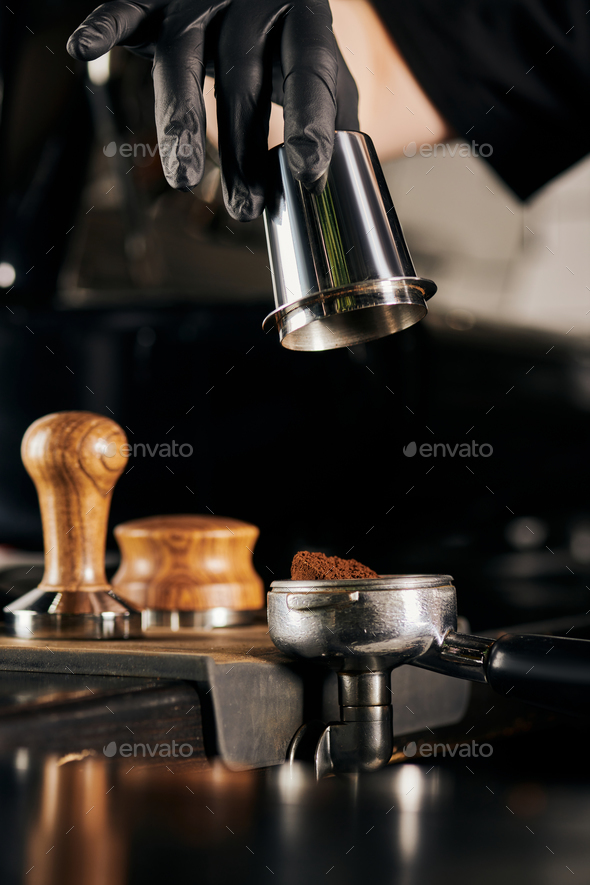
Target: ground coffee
<point x="319" y="567"/>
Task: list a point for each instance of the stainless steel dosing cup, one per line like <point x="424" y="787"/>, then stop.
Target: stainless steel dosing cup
<point x="341" y="270"/>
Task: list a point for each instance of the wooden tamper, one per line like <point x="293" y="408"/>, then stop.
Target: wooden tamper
<point x="189" y="571"/>
<point x="74" y="459"/>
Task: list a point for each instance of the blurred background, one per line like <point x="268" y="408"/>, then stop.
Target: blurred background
<point x="126" y="298"/>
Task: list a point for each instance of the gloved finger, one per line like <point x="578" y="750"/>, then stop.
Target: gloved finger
<point x="347" y="97"/>
<point x="278" y="93"/>
<point x="310" y="70"/>
<point x="179" y="73"/>
<point x="112" y="23"/>
<point x="243" y="89"/>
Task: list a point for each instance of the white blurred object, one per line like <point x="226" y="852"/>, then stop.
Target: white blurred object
<point x="580" y="542"/>
<point x="7" y="274"/>
<point x="99" y="69"/>
<point x="524" y="266"/>
<point x="526" y="532"/>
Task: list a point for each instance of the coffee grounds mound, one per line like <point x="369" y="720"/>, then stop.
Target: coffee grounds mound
<point x="319" y="567"/>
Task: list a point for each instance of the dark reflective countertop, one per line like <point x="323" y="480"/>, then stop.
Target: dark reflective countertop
<point x="521" y="815"/>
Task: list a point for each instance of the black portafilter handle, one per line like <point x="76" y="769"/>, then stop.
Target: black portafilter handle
<point x="547" y="671"/>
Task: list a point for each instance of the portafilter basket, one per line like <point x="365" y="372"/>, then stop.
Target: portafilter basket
<point x="365" y="628"/>
<point x="341" y="271"/>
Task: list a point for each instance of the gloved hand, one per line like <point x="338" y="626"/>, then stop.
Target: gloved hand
<point x="247" y="40"/>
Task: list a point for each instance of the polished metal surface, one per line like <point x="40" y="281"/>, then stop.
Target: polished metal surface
<point x="154" y="619"/>
<point x="361" y="741"/>
<point x="325" y="320"/>
<point x="413" y="823"/>
<point x="341" y="270"/>
<point x="364" y="689"/>
<point x="362" y="629"/>
<point x="43" y="614"/>
<point x="349" y="624"/>
<point x="460" y="655"/>
<point x="376" y="625"/>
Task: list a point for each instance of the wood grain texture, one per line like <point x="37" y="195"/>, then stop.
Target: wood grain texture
<point x="74" y="459"/>
<point x="188" y="563"/>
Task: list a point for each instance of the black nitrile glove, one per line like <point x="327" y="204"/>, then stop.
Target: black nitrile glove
<point x="247" y="40"/>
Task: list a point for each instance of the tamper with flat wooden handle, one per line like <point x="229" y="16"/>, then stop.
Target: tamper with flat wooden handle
<point x="189" y="571"/>
<point x="74" y="459"/>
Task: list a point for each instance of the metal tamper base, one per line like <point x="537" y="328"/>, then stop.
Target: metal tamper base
<point x="157" y="618"/>
<point x="47" y="614"/>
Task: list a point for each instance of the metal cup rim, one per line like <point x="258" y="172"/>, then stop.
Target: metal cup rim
<point x="383" y="582"/>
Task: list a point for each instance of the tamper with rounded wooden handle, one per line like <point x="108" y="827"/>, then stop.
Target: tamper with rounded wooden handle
<point x="74" y="459"/>
<point x="189" y="571"/>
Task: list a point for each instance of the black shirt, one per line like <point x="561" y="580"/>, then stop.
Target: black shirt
<point x="513" y="74"/>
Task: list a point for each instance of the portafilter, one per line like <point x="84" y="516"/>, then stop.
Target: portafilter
<point x="365" y="628"/>
<point x="341" y="270"/>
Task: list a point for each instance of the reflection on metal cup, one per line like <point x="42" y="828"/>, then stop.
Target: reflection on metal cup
<point x="341" y="270"/>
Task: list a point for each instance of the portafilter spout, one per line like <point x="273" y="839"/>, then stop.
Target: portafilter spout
<point x="362" y="629"/>
<point x="341" y="271"/>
